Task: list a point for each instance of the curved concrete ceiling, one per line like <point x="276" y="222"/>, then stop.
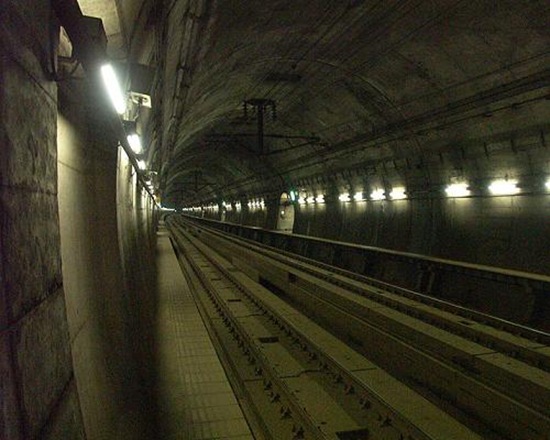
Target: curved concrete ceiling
<point x="356" y="84"/>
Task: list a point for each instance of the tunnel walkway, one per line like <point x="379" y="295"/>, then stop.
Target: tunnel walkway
<point x="196" y="400"/>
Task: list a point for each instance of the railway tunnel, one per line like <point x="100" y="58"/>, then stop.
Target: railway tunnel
<point x="243" y="219"/>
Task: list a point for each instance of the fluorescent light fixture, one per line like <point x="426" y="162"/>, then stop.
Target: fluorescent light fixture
<point x="344" y="197"/>
<point x="113" y="88"/>
<point x="398" y="194"/>
<point x="458" y="190"/>
<point x="135" y="143"/>
<point x="141" y="164"/>
<point x="310" y="199"/>
<point x="358" y="196"/>
<point x="504" y="187"/>
<point x="378" y="194"/>
<point x="320" y="198"/>
<point x="292" y="196"/>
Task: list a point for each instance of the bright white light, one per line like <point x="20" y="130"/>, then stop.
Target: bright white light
<point x="135" y="143"/>
<point x="398" y="194"/>
<point x="113" y="88"/>
<point x="344" y="197"/>
<point x="310" y="199"/>
<point x="292" y="196"/>
<point x="378" y="194"/>
<point x="320" y="198"/>
<point x="458" y="190"/>
<point x="358" y="196"/>
<point x="548" y="185"/>
<point x="302" y="201"/>
<point x="141" y="164"/>
<point x="504" y="187"/>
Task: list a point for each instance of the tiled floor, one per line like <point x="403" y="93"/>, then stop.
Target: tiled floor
<point x="197" y="401"/>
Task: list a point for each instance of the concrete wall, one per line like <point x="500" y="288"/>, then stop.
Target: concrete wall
<point x="137" y="219"/>
<point x="506" y="231"/>
<point x="511" y="232"/>
<point x="108" y="268"/>
<point x="38" y="395"/>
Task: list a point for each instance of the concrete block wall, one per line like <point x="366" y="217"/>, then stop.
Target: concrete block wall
<point x="76" y="302"/>
<point x="39" y="398"/>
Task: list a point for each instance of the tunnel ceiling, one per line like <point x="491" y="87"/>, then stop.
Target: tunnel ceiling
<point x="347" y="88"/>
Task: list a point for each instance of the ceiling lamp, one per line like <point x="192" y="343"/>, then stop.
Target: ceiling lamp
<point x="358" y="196"/>
<point x="135" y="143"/>
<point x="378" y="194"/>
<point x="504" y="187"/>
<point x="310" y="199"/>
<point x="458" y="190"/>
<point x="113" y="88"/>
<point x="320" y="198"/>
<point x="398" y="194"/>
<point x="344" y="197"/>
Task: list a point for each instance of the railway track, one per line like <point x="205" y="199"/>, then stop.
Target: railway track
<point x="366" y="361"/>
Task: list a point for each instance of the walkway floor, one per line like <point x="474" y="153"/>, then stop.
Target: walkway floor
<point x="197" y="401"/>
